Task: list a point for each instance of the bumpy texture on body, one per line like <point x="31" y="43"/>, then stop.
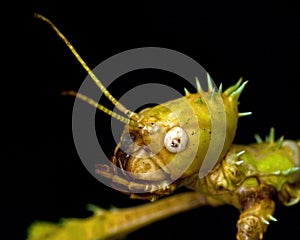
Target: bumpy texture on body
<point x="144" y="157"/>
<point x="163" y="148"/>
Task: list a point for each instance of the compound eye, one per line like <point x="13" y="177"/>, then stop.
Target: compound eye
<point x="176" y="140"/>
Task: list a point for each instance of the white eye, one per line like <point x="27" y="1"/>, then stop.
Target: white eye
<point x="176" y="140"/>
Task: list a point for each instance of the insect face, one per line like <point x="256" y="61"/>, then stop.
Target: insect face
<point x="165" y="144"/>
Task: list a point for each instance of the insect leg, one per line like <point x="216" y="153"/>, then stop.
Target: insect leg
<point x="148" y="190"/>
<point x="254" y="219"/>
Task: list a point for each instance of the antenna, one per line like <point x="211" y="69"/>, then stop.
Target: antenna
<point x="131" y="115"/>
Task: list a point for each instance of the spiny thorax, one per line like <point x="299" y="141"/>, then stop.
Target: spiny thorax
<point x="269" y="163"/>
<point x="272" y="164"/>
<point x="209" y="107"/>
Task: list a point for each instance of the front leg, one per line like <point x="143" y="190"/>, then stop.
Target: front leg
<point x="254" y="219"/>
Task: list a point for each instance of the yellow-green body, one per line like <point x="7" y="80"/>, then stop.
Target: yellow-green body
<point x="267" y="172"/>
<point x="248" y="177"/>
<point x="145" y="164"/>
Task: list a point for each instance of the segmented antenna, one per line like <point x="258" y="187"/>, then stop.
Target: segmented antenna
<point x="102" y="108"/>
<point x="132" y="115"/>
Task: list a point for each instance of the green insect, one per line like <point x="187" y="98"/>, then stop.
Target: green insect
<point x="164" y="147"/>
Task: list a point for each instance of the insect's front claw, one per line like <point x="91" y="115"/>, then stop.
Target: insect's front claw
<point x="146" y="191"/>
<point x="136" y="189"/>
<point x="103" y="170"/>
<point x="106" y="172"/>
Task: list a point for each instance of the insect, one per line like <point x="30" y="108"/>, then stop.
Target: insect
<point x="150" y="163"/>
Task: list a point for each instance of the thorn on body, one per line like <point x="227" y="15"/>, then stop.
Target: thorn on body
<point x="209" y="83"/>
<point x="272" y="218"/>
<point x="198" y="85"/>
<point x="277" y="172"/>
<point x="265" y="221"/>
<point x="258" y="138"/>
<point x="240" y="153"/>
<point x="220" y="90"/>
<point x="236" y="93"/>
<point x="280" y="141"/>
<point x="231" y="89"/>
<point x="271" y="136"/>
<point x="239" y="162"/>
<point x="244" y="114"/>
<point x="186" y="92"/>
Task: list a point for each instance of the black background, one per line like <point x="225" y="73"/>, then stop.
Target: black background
<point x="47" y="179"/>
